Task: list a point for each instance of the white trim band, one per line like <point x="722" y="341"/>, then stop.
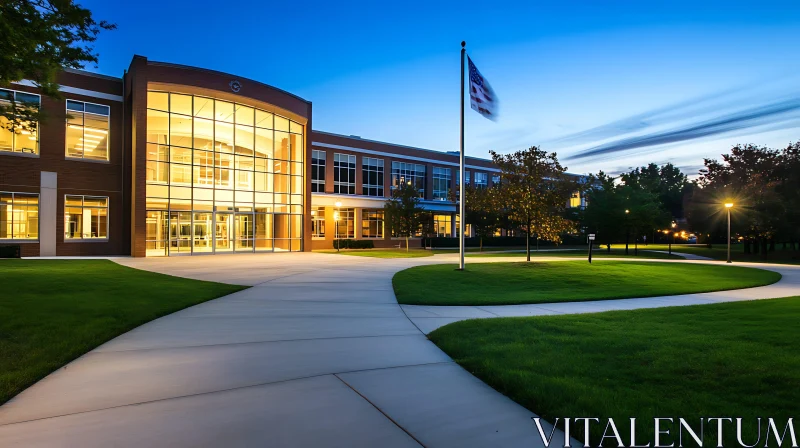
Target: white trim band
<point x="400" y="156"/>
<point x="76" y="91"/>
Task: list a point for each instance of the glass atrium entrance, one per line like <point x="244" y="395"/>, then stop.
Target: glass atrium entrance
<point x="222" y="177"/>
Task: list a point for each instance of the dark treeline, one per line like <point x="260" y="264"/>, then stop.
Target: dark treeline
<point x="762" y="183"/>
<point x="764" y="186"/>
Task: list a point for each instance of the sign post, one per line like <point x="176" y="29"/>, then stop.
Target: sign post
<point x="591" y="243"/>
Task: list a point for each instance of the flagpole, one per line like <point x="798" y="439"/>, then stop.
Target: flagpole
<point x="462" y="200"/>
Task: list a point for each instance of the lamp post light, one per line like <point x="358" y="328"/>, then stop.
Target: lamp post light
<point x="674" y="224"/>
<point x="729" y="206"/>
<point x="627" y="231"/>
<point x="336" y="225"/>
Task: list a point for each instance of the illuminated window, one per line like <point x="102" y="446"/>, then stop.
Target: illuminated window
<point x="372" y="176"/>
<point x="575" y="200"/>
<point x="318" y="222"/>
<point x="410" y="174"/>
<point x="345" y="223"/>
<point x="344" y="173"/>
<point x="441" y="183"/>
<point x="495" y="179"/>
<point x="19" y="216"/>
<point x="372" y="223"/>
<point x="317" y="171"/>
<point x="221" y="177"/>
<point x="467" y="228"/>
<point x="443" y="225"/>
<point x="85" y="217"/>
<point x="87" y="130"/>
<point x="18" y="140"/>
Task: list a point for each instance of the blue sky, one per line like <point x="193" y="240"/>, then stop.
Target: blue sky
<point x="674" y="82"/>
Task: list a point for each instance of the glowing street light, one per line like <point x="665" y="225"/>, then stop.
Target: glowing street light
<point x="674" y="224"/>
<point x="728" y="207"/>
<point x="627" y="230"/>
<point x="336" y="216"/>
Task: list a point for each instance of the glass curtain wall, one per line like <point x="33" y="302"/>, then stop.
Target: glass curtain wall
<point x="221" y="177"/>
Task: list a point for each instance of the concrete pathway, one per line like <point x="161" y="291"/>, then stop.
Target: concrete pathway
<point x="684" y="255"/>
<point x="317" y="353"/>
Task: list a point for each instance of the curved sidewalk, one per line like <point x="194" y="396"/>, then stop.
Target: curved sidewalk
<point x="316" y="354"/>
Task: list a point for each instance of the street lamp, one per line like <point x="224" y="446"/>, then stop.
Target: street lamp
<point x="627" y="230"/>
<point x="729" y="206"/>
<point x="674" y="224"/>
<point x="336" y="225"/>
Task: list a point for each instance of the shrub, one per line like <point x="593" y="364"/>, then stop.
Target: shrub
<point x="11" y="251"/>
<point x="353" y="244"/>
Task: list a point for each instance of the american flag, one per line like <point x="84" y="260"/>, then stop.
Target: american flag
<point x="481" y="95"/>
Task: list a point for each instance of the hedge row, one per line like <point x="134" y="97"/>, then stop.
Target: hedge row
<point x="353" y="244"/>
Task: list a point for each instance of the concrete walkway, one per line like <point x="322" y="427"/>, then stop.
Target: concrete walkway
<point x="318" y="353"/>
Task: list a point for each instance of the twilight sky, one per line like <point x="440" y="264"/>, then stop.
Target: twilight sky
<point x="606" y="86"/>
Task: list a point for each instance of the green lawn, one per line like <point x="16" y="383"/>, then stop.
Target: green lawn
<point x="566" y="281"/>
<point x="56" y="310"/>
<point x="720" y="252"/>
<point x="722" y="360"/>
<point x="583" y="253"/>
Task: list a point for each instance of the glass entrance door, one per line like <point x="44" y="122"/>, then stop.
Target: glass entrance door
<point x="244" y="232"/>
<point x="180" y="233"/>
<point x="203" y="238"/>
<point x="223" y="232"/>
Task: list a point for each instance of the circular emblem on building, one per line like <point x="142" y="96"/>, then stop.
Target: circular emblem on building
<point x="236" y="86"/>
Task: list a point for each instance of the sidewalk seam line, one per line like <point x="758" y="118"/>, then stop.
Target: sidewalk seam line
<point x="379" y="410"/>
<point x="230" y="389"/>
<point x="251" y="342"/>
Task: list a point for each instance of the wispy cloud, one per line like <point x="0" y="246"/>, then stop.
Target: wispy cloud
<point x="690" y="108"/>
<point x="774" y="113"/>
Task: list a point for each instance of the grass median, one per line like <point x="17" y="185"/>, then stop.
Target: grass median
<point x="722" y="360"/>
<point x="566" y="281"/>
<point x="56" y="310"/>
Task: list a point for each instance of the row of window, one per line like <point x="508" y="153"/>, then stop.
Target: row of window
<point x="372" y="169"/>
<point x="87" y="128"/>
<point x="211" y="155"/>
<point x="85" y="217"/>
<point x="372" y="223"/>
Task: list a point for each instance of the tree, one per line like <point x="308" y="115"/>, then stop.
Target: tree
<point x="614" y="210"/>
<point x="644" y="212"/>
<point x="40" y="38"/>
<point x="483" y="211"/>
<point x="666" y="182"/>
<point x="789" y="191"/>
<point x="403" y="212"/>
<point x="536" y="192"/>
<point x="752" y="177"/>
